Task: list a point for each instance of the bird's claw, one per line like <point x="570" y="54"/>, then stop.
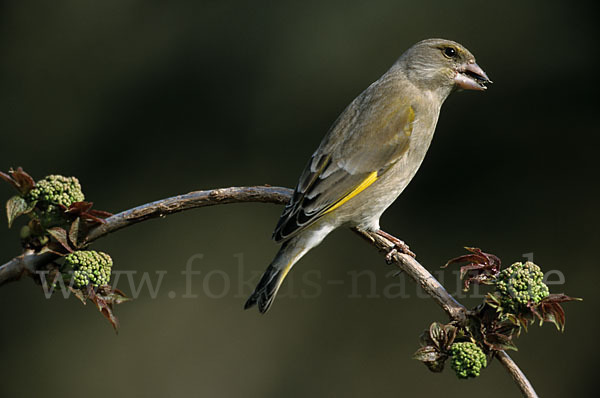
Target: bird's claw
<point x="403" y="248"/>
<point x="389" y="257"/>
<point x="399" y="247"/>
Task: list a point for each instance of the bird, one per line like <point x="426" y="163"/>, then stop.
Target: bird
<point x="369" y="155"/>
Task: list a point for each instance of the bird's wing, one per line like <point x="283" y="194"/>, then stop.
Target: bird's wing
<point x="368" y="137"/>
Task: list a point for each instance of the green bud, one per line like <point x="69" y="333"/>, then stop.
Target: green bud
<point x="89" y="267"/>
<point x="521" y="284"/>
<point x="49" y="193"/>
<point x="57" y="189"/>
<point x="467" y="359"/>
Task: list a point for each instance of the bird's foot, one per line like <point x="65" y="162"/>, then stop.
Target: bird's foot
<point x="389" y="257"/>
<point x="399" y="246"/>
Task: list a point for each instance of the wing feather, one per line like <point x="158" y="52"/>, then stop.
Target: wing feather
<point x="369" y="136"/>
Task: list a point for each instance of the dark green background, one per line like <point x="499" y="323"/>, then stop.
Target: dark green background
<point x="146" y="99"/>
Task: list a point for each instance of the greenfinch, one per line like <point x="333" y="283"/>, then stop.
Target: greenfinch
<point x="369" y="155"/>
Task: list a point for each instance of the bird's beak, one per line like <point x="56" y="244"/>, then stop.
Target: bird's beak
<point x="471" y="77"/>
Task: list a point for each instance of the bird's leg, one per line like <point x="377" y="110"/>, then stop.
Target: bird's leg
<point x="399" y="246"/>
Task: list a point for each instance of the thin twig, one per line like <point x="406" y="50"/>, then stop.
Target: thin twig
<point x="192" y="200"/>
<point x="420" y="275"/>
<point x="29" y="262"/>
<point x="517" y="374"/>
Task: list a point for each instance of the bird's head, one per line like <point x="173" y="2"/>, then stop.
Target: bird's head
<point x="441" y="65"/>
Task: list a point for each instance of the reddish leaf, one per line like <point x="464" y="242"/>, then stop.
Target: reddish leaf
<point x="55" y="248"/>
<point x="79" y="207"/>
<point x="85" y="212"/>
<point x="477" y="257"/>
<point x="480" y="279"/>
<point x="112" y="295"/>
<point x="104" y="307"/>
<point x="560" y="298"/>
<point x="552" y="312"/>
<point x="19" y="179"/>
<point x="79" y="294"/>
<point x="507" y="329"/>
<point x="470" y="267"/>
<point x="497" y="341"/>
<point x="74" y="232"/>
<point x="93" y="219"/>
<point x="482" y="268"/>
<point x="473" y="258"/>
<point x="61" y="237"/>
<point x="8" y="179"/>
<point x="104" y="297"/>
<point x="100" y="213"/>
<point x="24" y="180"/>
<point x="451" y="332"/>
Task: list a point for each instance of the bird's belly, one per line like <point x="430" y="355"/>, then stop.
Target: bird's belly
<point x="367" y="207"/>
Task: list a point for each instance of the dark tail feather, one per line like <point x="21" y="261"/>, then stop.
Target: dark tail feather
<point x="265" y="291"/>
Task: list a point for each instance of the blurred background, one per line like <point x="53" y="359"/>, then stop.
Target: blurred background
<point x="143" y="100"/>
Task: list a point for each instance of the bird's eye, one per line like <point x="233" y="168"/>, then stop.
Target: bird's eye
<point x="449" y="52"/>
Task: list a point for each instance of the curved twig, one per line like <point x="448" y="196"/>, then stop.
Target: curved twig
<point x="29" y="262"/>
<point x="192" y="200"/>
<point x="517" y="374"/>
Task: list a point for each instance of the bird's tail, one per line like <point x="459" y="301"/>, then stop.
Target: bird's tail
<point x="290" y="252"/>
<point x="271" y="281"/>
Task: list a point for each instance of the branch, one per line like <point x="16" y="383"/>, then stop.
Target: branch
<point x="192" y="200"/>
<point x="440" y="295"/>
<point x="517" y="374"/>
<point x="30" y="262"/>
<point x="420" y="275"/>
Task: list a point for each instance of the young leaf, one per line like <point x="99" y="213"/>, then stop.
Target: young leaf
<point x="550" y="310"/>
<point x="79" y="294"/>
<point x="84" y="211"/>
<point x="497" y="341"/>
<point x="74" y="232"/>
<point x="19" y="179"/>
<point x="482" y="268"/>
<point x="113" y="295"/>
<point x="15" y="207"/>
<point x="437" y="334"/>
<point x="451" y="332"/>
<point x="560" y="298"/>
<point x="61" y="237"/>
<point x="80" y="207"/>
<point x="427" y="354"/>
<point x="100" y="213"/>
<point x="104" y="307"/>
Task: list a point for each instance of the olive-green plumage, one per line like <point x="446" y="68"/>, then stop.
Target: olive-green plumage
<point x="370" y="154"/>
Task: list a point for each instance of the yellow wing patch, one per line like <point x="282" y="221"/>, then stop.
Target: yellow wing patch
<point x="361" y="187"/>
<point x="408" y="128"/>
